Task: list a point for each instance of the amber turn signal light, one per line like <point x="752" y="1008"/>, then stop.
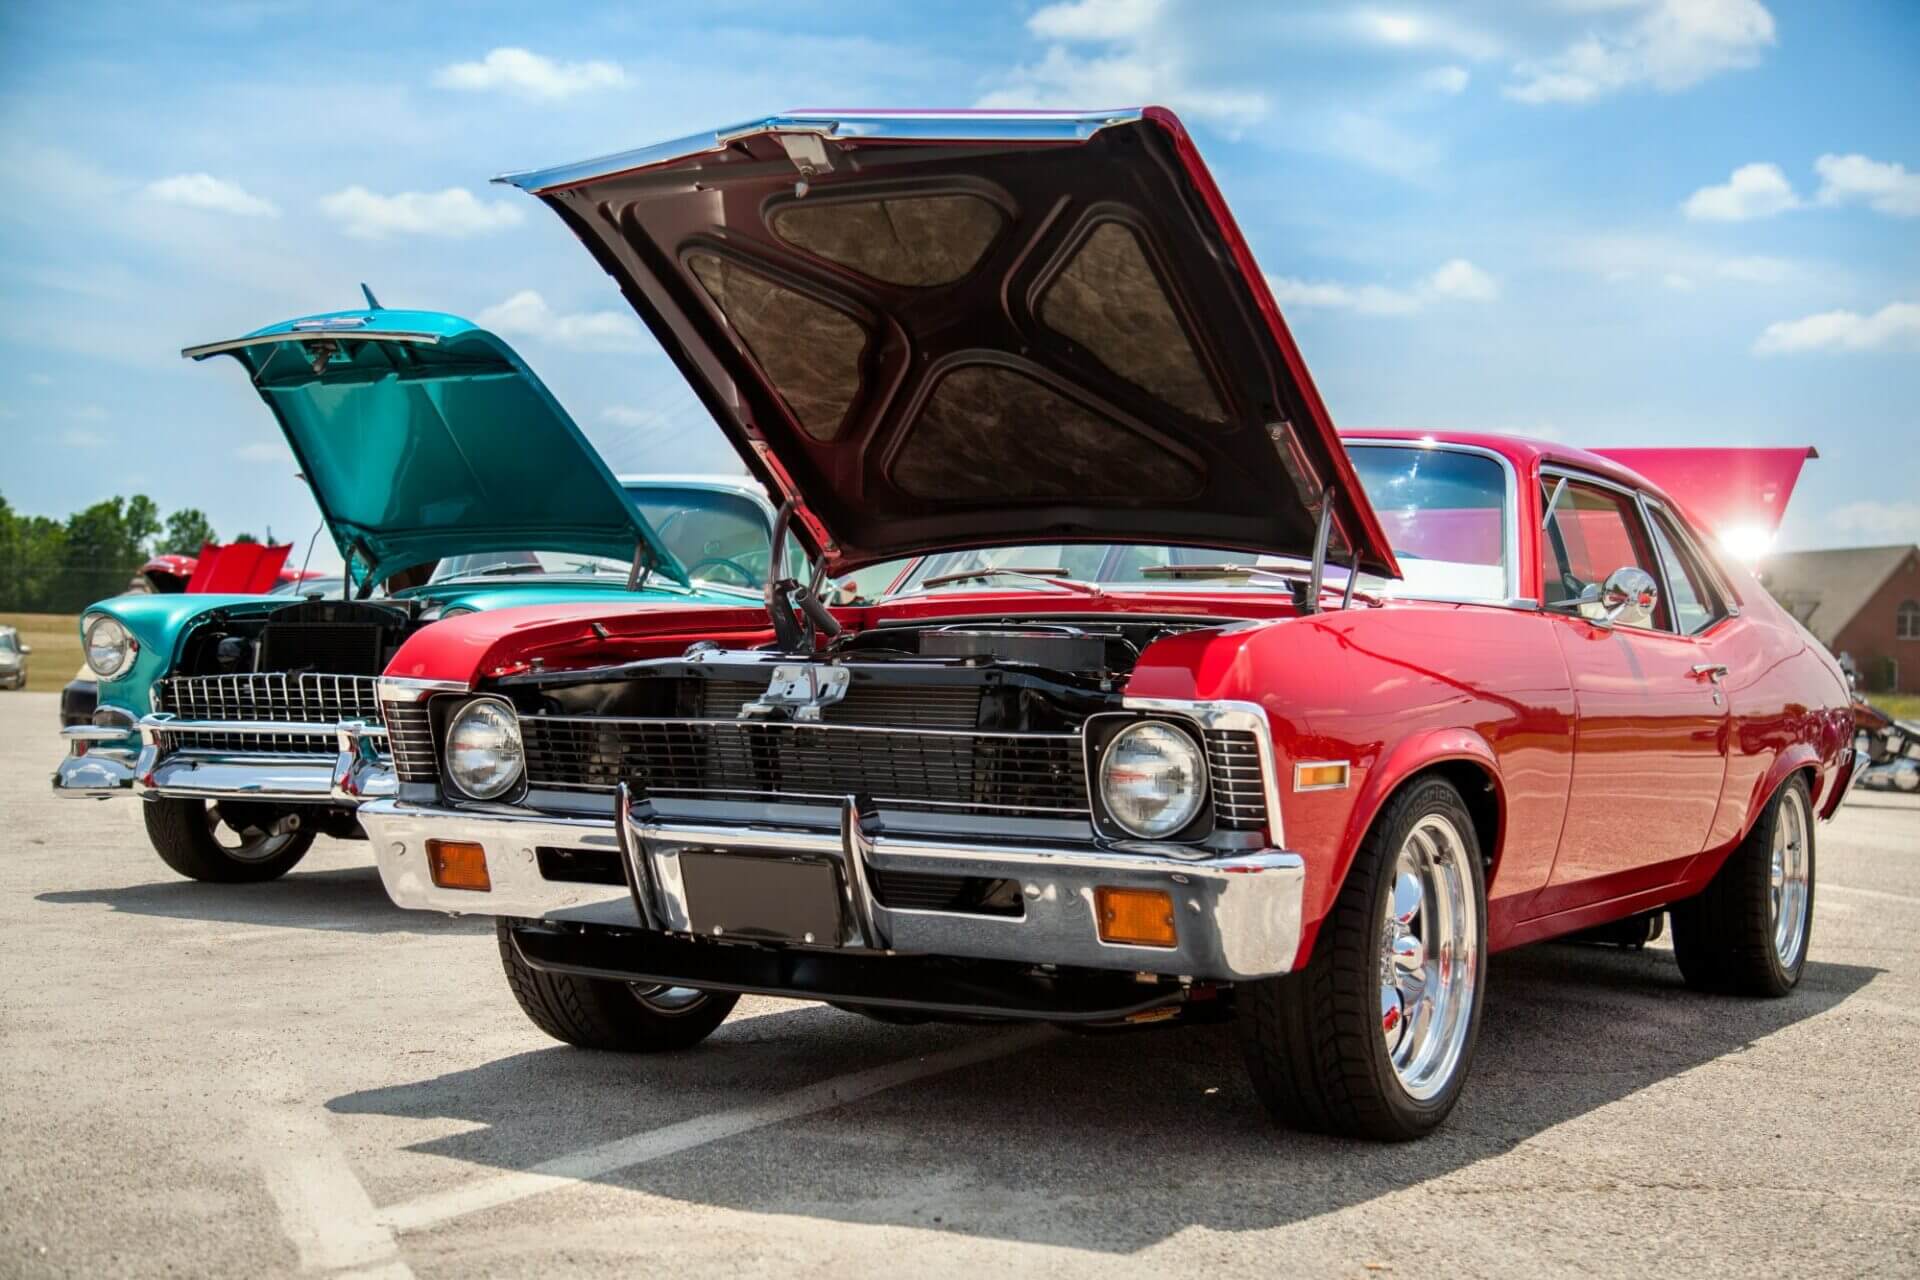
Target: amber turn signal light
<point x="1136" y="917"/>
<point x="1321" y="775"/>
<point x="458" y="864"/>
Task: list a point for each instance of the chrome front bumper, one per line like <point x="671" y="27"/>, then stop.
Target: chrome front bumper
<point x="357" y="770"/>
<point x="1238" y="917"/>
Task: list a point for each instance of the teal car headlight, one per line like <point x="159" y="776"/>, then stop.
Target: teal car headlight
<point x="110" y="647"/>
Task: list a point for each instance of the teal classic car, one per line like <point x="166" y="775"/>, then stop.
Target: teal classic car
<point x="451" y="481"/>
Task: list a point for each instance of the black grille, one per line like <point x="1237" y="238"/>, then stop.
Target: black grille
<point x="1233" y="767"/>
<point x="579" y="866"/>
<point x="322" y="646"/>
<point x="922" y="891"/>
<point x="410" y="739"/>
<point x="1033" y="773"/>
<point x="892" y="705"/>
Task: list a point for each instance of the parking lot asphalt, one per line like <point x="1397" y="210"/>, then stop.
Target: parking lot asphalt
<point x="298" y="1078"/>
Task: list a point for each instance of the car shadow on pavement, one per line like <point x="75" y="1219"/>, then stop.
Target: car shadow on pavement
<point x="346" y="901"/>
<point x="1111" y="1143"/>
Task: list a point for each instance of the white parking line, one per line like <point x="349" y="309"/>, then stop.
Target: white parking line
<point x="324" y="1210"/>
<point x="622" y="1153"/>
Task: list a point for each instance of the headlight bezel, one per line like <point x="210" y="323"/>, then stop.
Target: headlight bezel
<point x="514" y="784"/>
<point x="1194" y="824"/>
<point x="129" y="646"/>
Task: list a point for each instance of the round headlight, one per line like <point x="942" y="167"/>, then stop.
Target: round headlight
<point x="110" y="647"/>
<point x="1152" y="779"/>
<point x="484" y="758"/>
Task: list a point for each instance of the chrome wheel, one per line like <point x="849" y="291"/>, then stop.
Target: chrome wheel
<point x="668" y="1002"/>
<point x="242" y="847"/>
<point x="1429" y="957"/>
<point x="1789" y="880"/>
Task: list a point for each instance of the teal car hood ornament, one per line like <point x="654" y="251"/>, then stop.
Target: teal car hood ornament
<point x="424" y="436"/>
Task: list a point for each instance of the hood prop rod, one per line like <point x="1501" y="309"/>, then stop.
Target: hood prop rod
<point x="1317" y="575"/>
<point x="788" y="633"/>
<point x="642" y="567"/>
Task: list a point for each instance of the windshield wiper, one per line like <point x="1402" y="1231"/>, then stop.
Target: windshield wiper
<point x="1217" y="571"/>
<point x="502" y="569"/>
<point x="1032" y="573"/>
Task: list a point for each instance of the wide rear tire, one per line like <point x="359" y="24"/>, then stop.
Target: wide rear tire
<point x="1374" y="1037"/>
<point x="1747" y="933"/>
<point x="189" y="837"/>
<point x="599" y="1013"/>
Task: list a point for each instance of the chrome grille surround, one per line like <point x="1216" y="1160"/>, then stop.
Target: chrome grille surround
<point x="410" y="741"/>
<point x="1233" y="770"/>
<point x="244" y="713"/>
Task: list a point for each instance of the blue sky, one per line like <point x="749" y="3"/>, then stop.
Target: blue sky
<point x="1605" y="221"/>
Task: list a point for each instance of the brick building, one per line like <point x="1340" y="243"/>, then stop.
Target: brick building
<point x="1860" y="601"/>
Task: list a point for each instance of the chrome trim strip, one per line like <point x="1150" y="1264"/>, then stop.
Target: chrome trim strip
<point x="903" y="126"/>
<point x="163" y="722"/>
<point x="413" y="689"/>
<point x="206" y="349"/>
<point x="1249" y="717"/>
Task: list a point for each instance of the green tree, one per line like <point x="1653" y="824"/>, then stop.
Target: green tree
<point x="244" y="537"/>
<point x="187" y="529"/>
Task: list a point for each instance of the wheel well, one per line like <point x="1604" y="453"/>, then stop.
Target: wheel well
<point x="1476" y="787"/>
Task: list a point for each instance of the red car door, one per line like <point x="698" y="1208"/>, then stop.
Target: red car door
<point x="1650" y="716"/>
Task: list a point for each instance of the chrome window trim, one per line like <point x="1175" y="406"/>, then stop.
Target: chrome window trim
<point x="1510" y="540"/>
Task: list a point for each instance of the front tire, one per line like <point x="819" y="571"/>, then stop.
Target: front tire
<point x="600" y="1013"/>
<point x="190" y="837"/>
<point x="1374" y="1037"/>
<point x="1747" y="933"/>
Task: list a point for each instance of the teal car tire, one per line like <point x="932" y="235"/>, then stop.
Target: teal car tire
<point x="190" y="837"/>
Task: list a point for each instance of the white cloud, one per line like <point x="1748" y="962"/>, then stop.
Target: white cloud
<point x="87" y="413"/>
<point x="1625" y="259"/>
<point x="1460" y="279"/>
<point x="530" y="75"/>
<point x="204" y="191"/>
<point x="78" y="439"/>
<point x="1895" y="325"/>
<point x="1095" y="19"/>
<point x="527" y="315"/>
<point x="1886" y="188"/>
<point x="263" y="451"/>
<point x="1456" y="280"/>
<point x="40" y="379"/>
<point x="1145" y="60"/>
<point x="1878" y="521"/>
<point x="1446" y="79"/>
<point x="1753" y="191"/>
<point x="1666" y="44"/>
<point x="1407" y="30"/>
<point x="453" y="212"/>
<point x="1677" y="282"/>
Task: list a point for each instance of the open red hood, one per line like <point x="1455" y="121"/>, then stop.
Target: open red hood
<point x="965" y="329"/>
<point x="1727" y="490"/>
<point x="238" y="568"/>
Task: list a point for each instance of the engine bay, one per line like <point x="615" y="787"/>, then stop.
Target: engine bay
<point x="333" y="637"/>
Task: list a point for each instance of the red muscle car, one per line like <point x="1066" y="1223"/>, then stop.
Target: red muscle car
<point x="1192" y="707"/>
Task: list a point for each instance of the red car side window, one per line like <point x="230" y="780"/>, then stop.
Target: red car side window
<point x="1693" y="600"/>
<point x="1590" y="533"/>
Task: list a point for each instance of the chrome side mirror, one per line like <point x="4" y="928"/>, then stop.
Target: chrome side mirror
<point x="1627" y="598"/>
<point x="25" y="649"/>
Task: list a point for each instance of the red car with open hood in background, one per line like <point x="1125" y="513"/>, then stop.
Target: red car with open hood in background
<point x="1193" y="708"/>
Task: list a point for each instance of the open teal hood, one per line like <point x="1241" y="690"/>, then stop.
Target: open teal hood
<point x="423" y="436"/>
